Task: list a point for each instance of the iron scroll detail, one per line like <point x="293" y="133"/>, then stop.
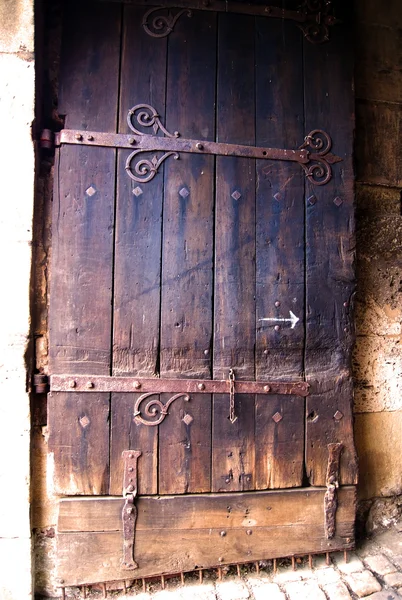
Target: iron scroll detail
<point x="318" y="169"/>
<point x="155" y="411"/>
<point x="160" y="25"/>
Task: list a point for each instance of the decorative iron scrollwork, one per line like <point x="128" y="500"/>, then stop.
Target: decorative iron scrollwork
<point x="147" y="116"/>
<point x="160" y="25"/>
<point x="155" y="411"/>
<point x="318" y="17"/>
<point x="318" y="168"/>
<point x="145" y="170"/>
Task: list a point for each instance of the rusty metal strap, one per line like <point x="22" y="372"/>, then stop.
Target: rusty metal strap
<point x="332" y="483"/>
<point x="101" y="383"/>
<point x="129" y="512"/>
<point x="313" y="155"/>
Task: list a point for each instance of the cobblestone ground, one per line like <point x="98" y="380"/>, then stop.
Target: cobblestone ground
<point x="373" y="572"/>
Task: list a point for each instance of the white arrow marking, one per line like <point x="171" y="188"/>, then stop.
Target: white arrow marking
<point x="293" y="319"/>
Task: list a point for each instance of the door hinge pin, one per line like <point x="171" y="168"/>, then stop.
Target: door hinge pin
<point x="41" y="383"/>
<point x="46" y="140"/>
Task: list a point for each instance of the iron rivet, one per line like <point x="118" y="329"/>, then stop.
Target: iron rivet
<point x="227" y="480"/>
<point x="130" y="488"/>
<point x="278" y="196"/>
<point x="206" y="352"/>
<point x="223" y="533"/>
<point x="248" y="478"/>
<point x="131" y="141"/>
<point x="72" y="384"/>
<point x="220" y="559"/>
<point x="312" y="200"/>
<point x="78" y="137"/>
<point x="267" y="388"/>
<point x="265" y="351"/>
<point x="199" y="146"/>
<point x="131" y="456"/>
<point x="345" y="329"/>
<point x="131" y="470"/>
<point x="277" y="327"/>
<point x="277" y="303"/>
<point x="249" y="532"/>
<point x="137" y="385"/>
<point x="201" y="386"/>
<point x="346" y="304"/>
<point x="90" y="138"/>
<point x="89" y="385"/>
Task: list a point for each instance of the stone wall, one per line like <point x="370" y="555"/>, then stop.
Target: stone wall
<point x="378" y="352"/>
<point x="17" y="164"/>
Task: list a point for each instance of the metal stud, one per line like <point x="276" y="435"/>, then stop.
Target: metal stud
<point x="187" y="419"/>
<point x="338" y="415"/>
<point x="278" y="196"/>
<point x="84" y="421"/>
<point x="277" y="417"/>
<point x="312" y="200"/>
<point x="184" y="192"/>
<point x="338" y="201"/>
<point x="90" y="191"/>
<point x="236" y="195"/>
<point x="137" y="191"/>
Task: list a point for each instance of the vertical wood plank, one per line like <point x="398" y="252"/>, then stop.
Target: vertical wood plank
<point x="83" y="221"/>
<point x="187" y="259"/>
<point x="280" y="202"/>
<point x="329" y="106"/>
<point x="234" y="329"/>
<point x="279" y="441"/>
<point x="137" y="255"/>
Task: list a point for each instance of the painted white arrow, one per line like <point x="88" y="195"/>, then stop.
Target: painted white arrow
<point x="293" y="319"/>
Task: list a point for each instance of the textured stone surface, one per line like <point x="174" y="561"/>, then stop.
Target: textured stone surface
<point x="229" y="590"/>
<point x="378" y="563"/>
<point x="384" y="595"/>
<point x="337" y="591"/>
<point x="353" y="565"/>
<point x="263" y="590"/>
<point x="393" y="579"/>
<point x="324" y="576"/>
<point x="304" y="590"/>
<point x="362" y="583"/>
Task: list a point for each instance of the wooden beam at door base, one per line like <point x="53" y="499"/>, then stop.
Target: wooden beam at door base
<point x="183" y="533"/>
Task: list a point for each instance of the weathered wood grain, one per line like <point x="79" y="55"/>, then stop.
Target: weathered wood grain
<point x="280" y="248"/>
<point x="281" y="524"/>
<point x="79" y="443"/>
<point x="82" y="259"/>
<point x="330" y="255"/>
<point x="279" y="442"/>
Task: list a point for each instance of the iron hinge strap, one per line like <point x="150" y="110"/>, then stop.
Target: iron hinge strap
<point x="332" y="483"/>
<point x="129" y="511"/>
<point x="313" y="155"/>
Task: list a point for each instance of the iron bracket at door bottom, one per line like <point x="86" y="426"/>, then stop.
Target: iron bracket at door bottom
<point x="313" y="155"/>
<point x="129" y="512"/>
<point x="332" y="483"/>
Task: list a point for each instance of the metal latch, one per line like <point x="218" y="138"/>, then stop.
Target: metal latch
<point x="332" y="483"/>
<point x="129" y="512"/>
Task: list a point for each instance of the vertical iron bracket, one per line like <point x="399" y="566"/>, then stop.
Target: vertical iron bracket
<point x="332" y="483"/>
<point x="129" y="512"/>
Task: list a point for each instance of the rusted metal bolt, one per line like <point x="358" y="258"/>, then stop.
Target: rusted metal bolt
<point x="206" y="352"/>
<point x="220" y="559"/>
<point x="130" y="488"/>
<point x="130" y="470"/>
<point x="277" y="303"/>
<point x="130" y="511"/>
<point x="248" y="478"/>
<point x="78" y="137"/>
<point x="131" y="141"/>
<point x="249" y="532"/>
<point x="131" y="455"/>
<point x="201" y="386"/>
<point x="223" y="533"/>
<point x="267" y="388"/>
<point x="91" y="138"/>
<point x="346" y="304"/>
<point x="136" y="385"/>
<point x="265" y="351"/>
<point x="199" y="146"/>
<point x="90" y="385"/>
<point x="227" y="480"/>
<point x="277" y="327"/>
<point x="72" y="384"/>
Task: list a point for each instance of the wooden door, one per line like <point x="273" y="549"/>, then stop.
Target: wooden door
<point x="200" y="296"/>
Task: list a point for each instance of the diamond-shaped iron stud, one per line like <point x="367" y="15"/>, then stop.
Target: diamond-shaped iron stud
<point x="187" y="419"/>
<point x="277" y="417"/>
<point x="184" y="192"/>
<point x="137" y="191"/>
<point x="338" y="415"/>
<point x="90" y="191"/>
<point x="338" y="201"/>
<point x="236" y="195"/>
<point x="84" y="421"/>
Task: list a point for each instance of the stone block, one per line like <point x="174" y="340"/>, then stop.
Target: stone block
<point x="206" y="591"/>
<point x="380" y="455"/>
<point x="325" y="576"/>
<point x="353" y="565"/>
<point x="304" y="590"/>
<point x="362" y="583"/>
<point x="262" y="589"/>
<point x="384" y="595"/>
<point x="232" y="590"/>
<point x="285" y="575"/>
<point x="337" y="591"/>
<point x="16" y="576"/>
<point x="378" y="563"/>
<point x="393" y="579"/>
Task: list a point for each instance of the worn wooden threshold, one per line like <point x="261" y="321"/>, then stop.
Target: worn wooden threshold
<point x="184" y="533"/>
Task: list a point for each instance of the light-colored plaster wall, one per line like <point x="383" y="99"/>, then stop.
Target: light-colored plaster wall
<point x="378" y="352"/>
<point x="17" y="169"/>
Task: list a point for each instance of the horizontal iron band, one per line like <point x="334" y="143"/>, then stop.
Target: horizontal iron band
<point x="153" y="143"/>
<point x="102" y="383"/>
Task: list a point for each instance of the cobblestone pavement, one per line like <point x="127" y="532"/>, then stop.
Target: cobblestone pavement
<point x="373" y="571"/>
